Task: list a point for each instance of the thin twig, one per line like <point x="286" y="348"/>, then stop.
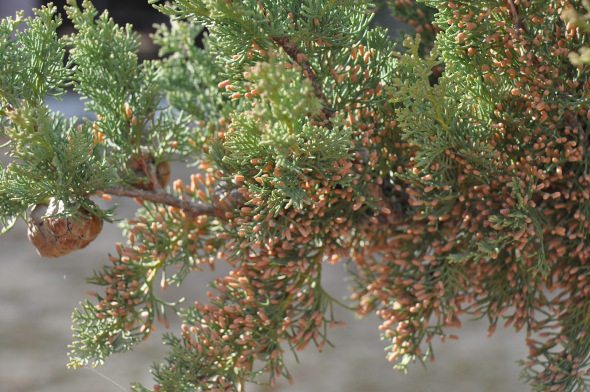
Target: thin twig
<point x="513" y="12"/>
<point x="163" y="198"/>
<point x="293" y="51"/>
<point x="148" y="169"/>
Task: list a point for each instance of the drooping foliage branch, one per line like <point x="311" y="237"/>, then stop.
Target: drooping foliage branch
<point x="450" y="176"/>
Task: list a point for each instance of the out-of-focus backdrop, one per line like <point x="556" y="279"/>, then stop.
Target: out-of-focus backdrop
<point x="37" y="297"/>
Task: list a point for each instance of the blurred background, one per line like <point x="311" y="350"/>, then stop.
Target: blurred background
<point x="38" y="296"/>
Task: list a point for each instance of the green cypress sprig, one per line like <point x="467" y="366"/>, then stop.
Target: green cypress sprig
<point x="187" y="90"/>
<point x="455" y="182"/>
<point x="165" y="245"/>
<point x="53" y="158"/>
<point x="236" y="338"/>
<point x="418" y="15"/>
<point x="577" y="19"/>
<point x="32" y="60"/>
<point x="130" y="115"/>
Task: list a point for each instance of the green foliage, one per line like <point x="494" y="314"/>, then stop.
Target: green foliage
<point x="451" y="178"/>
<point x="491" y="198"/>
<point x="180" y="73"/>
<point x="581" y="21"/>
<point x="418" y="15"/>
<point x="53" y="157"/>
<point x="125" y="95"/>
<point x="126" y="313"/>
<point x="32" y="61"/>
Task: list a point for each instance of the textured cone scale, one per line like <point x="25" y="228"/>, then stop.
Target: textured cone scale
<point x="55" y="237"/>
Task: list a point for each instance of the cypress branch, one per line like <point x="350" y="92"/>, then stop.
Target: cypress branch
<point x="453" y="175"/>
<point x="296" y="55"/>
<point x="193" y="208"/>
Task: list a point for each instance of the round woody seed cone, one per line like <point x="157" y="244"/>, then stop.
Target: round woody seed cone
<point x="55" y="237"/>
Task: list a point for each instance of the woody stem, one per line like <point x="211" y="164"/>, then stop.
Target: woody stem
<point x="293" y="51"/>
<point x="163" y="198"/>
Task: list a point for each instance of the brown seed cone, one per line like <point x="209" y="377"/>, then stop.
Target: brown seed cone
<point x="162" y="171"/>
<point x="224" y="200"/>
<point x="55" y="237"/>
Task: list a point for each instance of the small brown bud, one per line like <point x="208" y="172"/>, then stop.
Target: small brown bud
<point x="163" y="173"/>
